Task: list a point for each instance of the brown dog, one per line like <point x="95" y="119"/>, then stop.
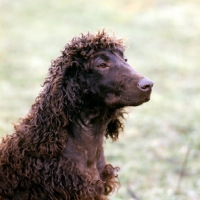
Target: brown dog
<point x="56" y="152"/>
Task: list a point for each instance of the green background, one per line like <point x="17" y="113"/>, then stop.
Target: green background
<point x="163" y="40"/>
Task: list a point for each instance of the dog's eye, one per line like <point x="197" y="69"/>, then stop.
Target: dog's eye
<point x="125" y="59"/>
<point x="102" y="65"/>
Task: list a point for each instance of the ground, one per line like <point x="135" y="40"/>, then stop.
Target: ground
<point x="163" y="40"/>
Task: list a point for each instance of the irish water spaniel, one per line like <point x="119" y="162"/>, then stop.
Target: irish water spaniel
<point x="56" y="151"/>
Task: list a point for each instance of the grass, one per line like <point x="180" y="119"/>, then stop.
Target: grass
<point x="163" y="43"/>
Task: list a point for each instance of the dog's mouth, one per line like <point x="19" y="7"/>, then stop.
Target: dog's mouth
<point x="114" y="100"/>
<point x="140" y="102"/>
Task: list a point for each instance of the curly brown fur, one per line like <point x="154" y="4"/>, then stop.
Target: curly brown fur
<point x="56" y="151"/>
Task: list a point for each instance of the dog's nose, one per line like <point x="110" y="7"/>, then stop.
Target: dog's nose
<point x="145" y="84"/>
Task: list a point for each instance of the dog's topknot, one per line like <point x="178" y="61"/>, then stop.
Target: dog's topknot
<point x="85" y="45"/>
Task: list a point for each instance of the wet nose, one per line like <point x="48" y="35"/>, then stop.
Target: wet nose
<point x="145" y="84"/>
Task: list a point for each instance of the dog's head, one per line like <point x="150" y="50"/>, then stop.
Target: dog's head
<point x="92" y="74"/>
<point x="95" y="72"/>
<point x="115" y="81"/>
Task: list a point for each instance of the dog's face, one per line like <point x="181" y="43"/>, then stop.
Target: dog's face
<point x="118" y="83"/>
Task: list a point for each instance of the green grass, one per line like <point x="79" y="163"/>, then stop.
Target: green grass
<point x="163" y="39"/>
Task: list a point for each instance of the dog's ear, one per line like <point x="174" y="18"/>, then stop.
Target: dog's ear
<point x="113" y="129"/>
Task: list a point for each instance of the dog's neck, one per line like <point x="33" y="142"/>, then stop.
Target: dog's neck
<point x="85" y="141"/>
<point x="88" y="130"/>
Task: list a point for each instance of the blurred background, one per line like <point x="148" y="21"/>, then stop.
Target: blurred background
<point x="163" y="43"/>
